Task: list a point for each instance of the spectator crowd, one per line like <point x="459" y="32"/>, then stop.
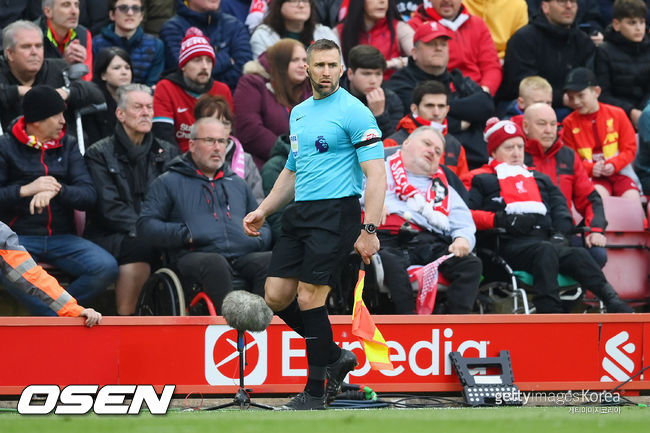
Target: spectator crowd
<point x="135" y="129"/>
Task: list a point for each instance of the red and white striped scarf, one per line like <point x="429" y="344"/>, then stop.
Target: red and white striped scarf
<point x="518" y="188"/>
<point x="437" y="194"/>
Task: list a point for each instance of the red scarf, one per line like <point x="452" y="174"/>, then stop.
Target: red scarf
<point x="518" y="188"/>
<point x="21" y="135"/>
<point x="436" y="197"/>
<point x="410" y="122"/>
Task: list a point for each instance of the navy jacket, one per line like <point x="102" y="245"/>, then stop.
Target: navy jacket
<point x="183" y="204"/>
<point x="228" y="36"/>
<point x="21" y="164"/>
<point x="147" y="52"/>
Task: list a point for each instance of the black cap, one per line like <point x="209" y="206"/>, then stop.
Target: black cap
<point x="41" y="102"/>
<point x="579" y="79"/>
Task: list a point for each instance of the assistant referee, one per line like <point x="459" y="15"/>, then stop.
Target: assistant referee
<point x="335" y="140"/>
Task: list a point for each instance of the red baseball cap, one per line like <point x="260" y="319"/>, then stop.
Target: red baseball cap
<point x="430" y="31"/>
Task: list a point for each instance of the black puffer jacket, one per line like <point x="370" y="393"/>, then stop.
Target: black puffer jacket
<point x="121" y="173"/>
<point x="21" y="164"/>
<point x="183" y="204"/>
<point x="81" y="94"/>
<point x="623" y="71"/>
<point x="541" y="48"/>
<point x="467" y="101"/>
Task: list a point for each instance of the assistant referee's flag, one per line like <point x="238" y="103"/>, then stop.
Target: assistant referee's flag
<point x="365" y="329"/>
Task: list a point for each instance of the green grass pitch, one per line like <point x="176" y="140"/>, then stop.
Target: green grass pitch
<point x="483" y="420"/>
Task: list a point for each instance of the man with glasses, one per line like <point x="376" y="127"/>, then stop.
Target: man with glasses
<point x="64" y="36"/>
<point x="549" y="46"/>
<point x="125" y="31"/>
<point x="195" y="210"/>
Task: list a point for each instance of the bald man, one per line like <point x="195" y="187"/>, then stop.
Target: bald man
<point x="548" y="154"/>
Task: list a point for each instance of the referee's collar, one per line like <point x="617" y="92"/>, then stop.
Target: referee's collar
<point x="331" y="94"/>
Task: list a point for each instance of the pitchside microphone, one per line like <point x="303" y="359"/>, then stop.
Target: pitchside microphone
<point x="245" y="311"/>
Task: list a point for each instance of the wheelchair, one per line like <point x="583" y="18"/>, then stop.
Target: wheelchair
<point x="166" y="294"/>
<point x="508" y="290"/>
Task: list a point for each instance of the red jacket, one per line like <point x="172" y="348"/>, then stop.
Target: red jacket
<point x="379" y="37"/>
<point x="608" y="131"/>
<point x="565" y="169"/>
<point x="471" y="50"/>
<point x="173" y="104"/>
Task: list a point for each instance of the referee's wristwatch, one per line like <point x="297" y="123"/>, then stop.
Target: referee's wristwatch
<point x="369" y="228"/>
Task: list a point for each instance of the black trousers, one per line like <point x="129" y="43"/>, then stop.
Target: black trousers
<point x="215" y="273"/>
<point x="544" y="260"/>
<point x="464" y="273"/>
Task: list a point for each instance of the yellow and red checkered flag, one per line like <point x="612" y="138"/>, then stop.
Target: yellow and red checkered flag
<point x="365" y="329"/>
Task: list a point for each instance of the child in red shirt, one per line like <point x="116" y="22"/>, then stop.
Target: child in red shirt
<point x="602" y="135"/>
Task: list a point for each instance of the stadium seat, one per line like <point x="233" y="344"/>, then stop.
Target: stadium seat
<point x="628" y="242"/>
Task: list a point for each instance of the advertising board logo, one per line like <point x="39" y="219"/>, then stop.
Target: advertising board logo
<point x="613" y="348"/>
<point x="222" y="357"/>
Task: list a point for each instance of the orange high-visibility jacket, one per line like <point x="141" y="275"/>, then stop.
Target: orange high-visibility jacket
<point x="18" y="266"/>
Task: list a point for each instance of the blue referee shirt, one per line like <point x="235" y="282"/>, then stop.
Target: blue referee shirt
<point x="330" y="137"/>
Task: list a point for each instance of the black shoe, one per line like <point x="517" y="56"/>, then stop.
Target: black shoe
<point x="336" y="372"/>
<point x="304" y="401"/>
<point x="618" y="306"/>
<point x="612" y="302"/>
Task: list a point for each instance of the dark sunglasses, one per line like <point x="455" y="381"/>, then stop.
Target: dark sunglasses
<point x="126" y="8"/>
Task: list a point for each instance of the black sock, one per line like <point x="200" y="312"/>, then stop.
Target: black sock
<point x="292" y="317"/>
<point x="319" y="341"/>
<point x="335" y="353"/>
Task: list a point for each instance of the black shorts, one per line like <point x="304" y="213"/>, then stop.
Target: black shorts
<point x="317" y="237"/>
<point x="134" y="250"/>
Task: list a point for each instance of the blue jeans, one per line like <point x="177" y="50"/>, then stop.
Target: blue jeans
<point x="93" y="268"/>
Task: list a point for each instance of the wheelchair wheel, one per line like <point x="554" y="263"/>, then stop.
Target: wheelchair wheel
<point x="162" y="295"/>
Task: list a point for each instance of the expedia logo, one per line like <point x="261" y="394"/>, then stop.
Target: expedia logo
<point x="222" y="357"/>
<point x="624" y="366"/>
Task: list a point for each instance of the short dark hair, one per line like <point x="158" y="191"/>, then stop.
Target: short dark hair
<point x="104" y="58"/>
<point x="430" y="87"/>
<point x="366" y="57"/>
<point x="322" y="45"/>
<point x="629" y="9"/>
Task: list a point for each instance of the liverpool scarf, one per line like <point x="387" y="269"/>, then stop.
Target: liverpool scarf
<point x="518" y="189"/>
<point x="433" y="204"/>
